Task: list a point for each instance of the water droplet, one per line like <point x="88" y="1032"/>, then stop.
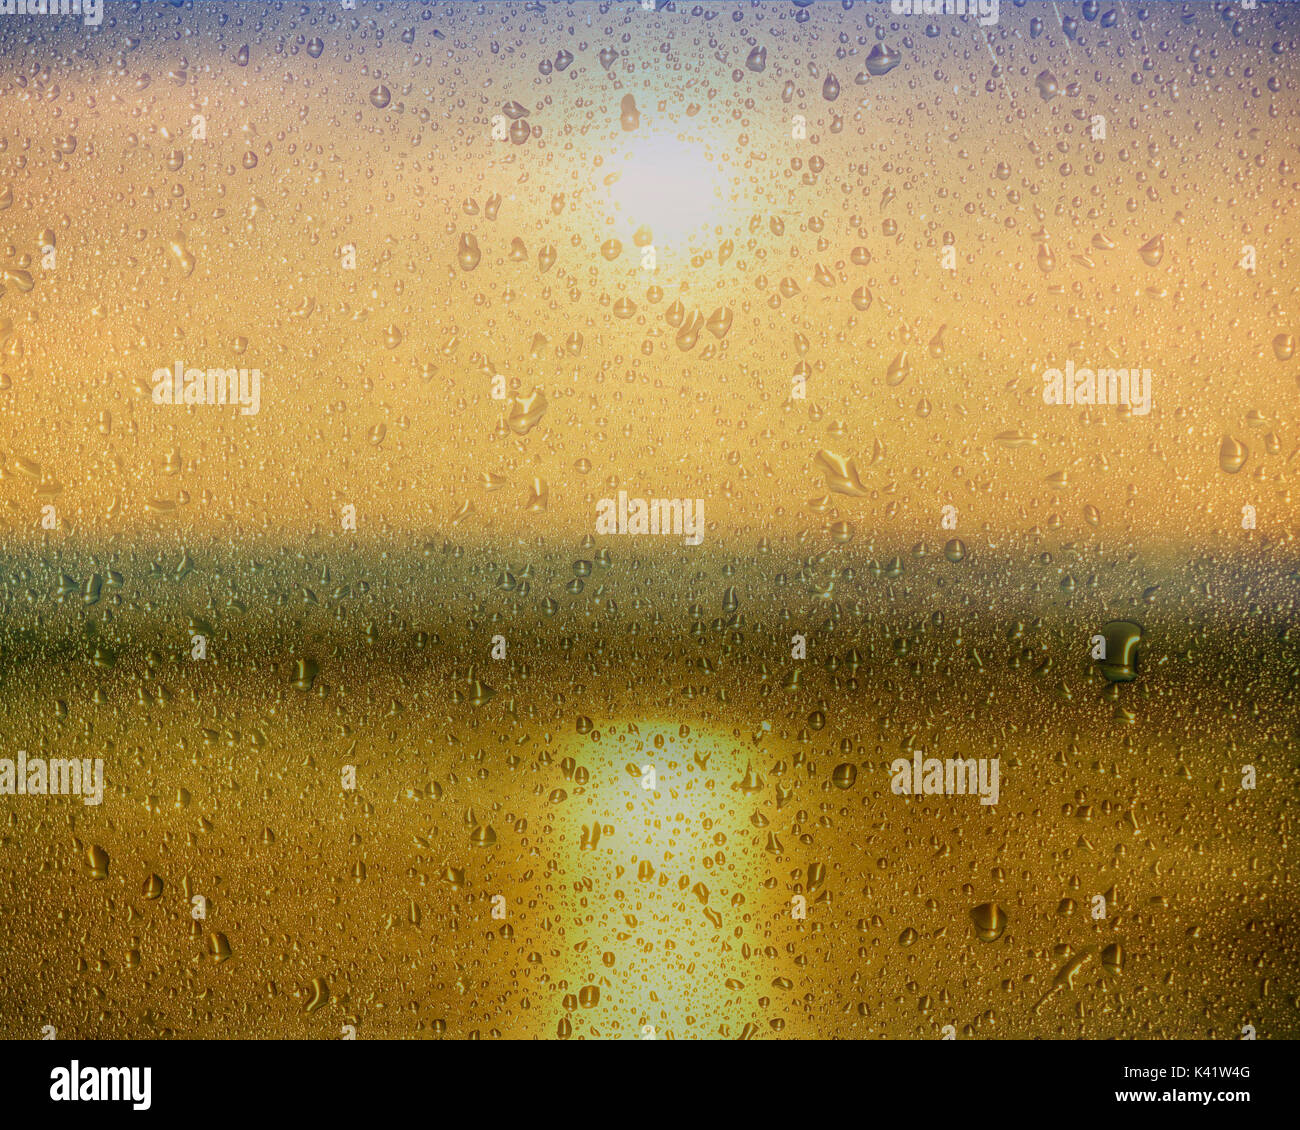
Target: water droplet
<point x="468" y="254"/>
<point x="305" y="672"/>
<point x="317" y="995"/>
<point x="990" y="921"/>
<point x="1232" y="455"/>
<point x="841" y="474"/>
<point x="882" y="60"/>
<point x="181" y="253"/>
<point x="719" y="322"/>
<point x="526" y="412"/>
<point x="629" y="115"/>
<point x="1122" y="638"/>
<point x="751" y="782"/>
<point x="1153" y="251"/>
<point x="97" y="861"/>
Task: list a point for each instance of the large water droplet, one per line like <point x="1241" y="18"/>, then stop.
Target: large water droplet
<point x="1232" y="455"/>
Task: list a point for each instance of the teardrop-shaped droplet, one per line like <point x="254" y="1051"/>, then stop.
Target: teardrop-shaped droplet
<point x="882" y="60"/>
<point x="1153" y="251"/>
<point x="97" y="861"/>
<point x="629" y="116"/>
<point x="990" y="921"/>
<point x="1232" y="455"/>
<point x="719" y="322"/>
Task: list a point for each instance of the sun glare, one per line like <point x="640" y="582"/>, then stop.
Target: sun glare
<point x="668" y="185"/>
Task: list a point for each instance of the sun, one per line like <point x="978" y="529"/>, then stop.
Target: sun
<point x="667" y="183"/>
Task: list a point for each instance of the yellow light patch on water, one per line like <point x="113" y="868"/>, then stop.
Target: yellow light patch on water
<point x="669" y="892"/>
